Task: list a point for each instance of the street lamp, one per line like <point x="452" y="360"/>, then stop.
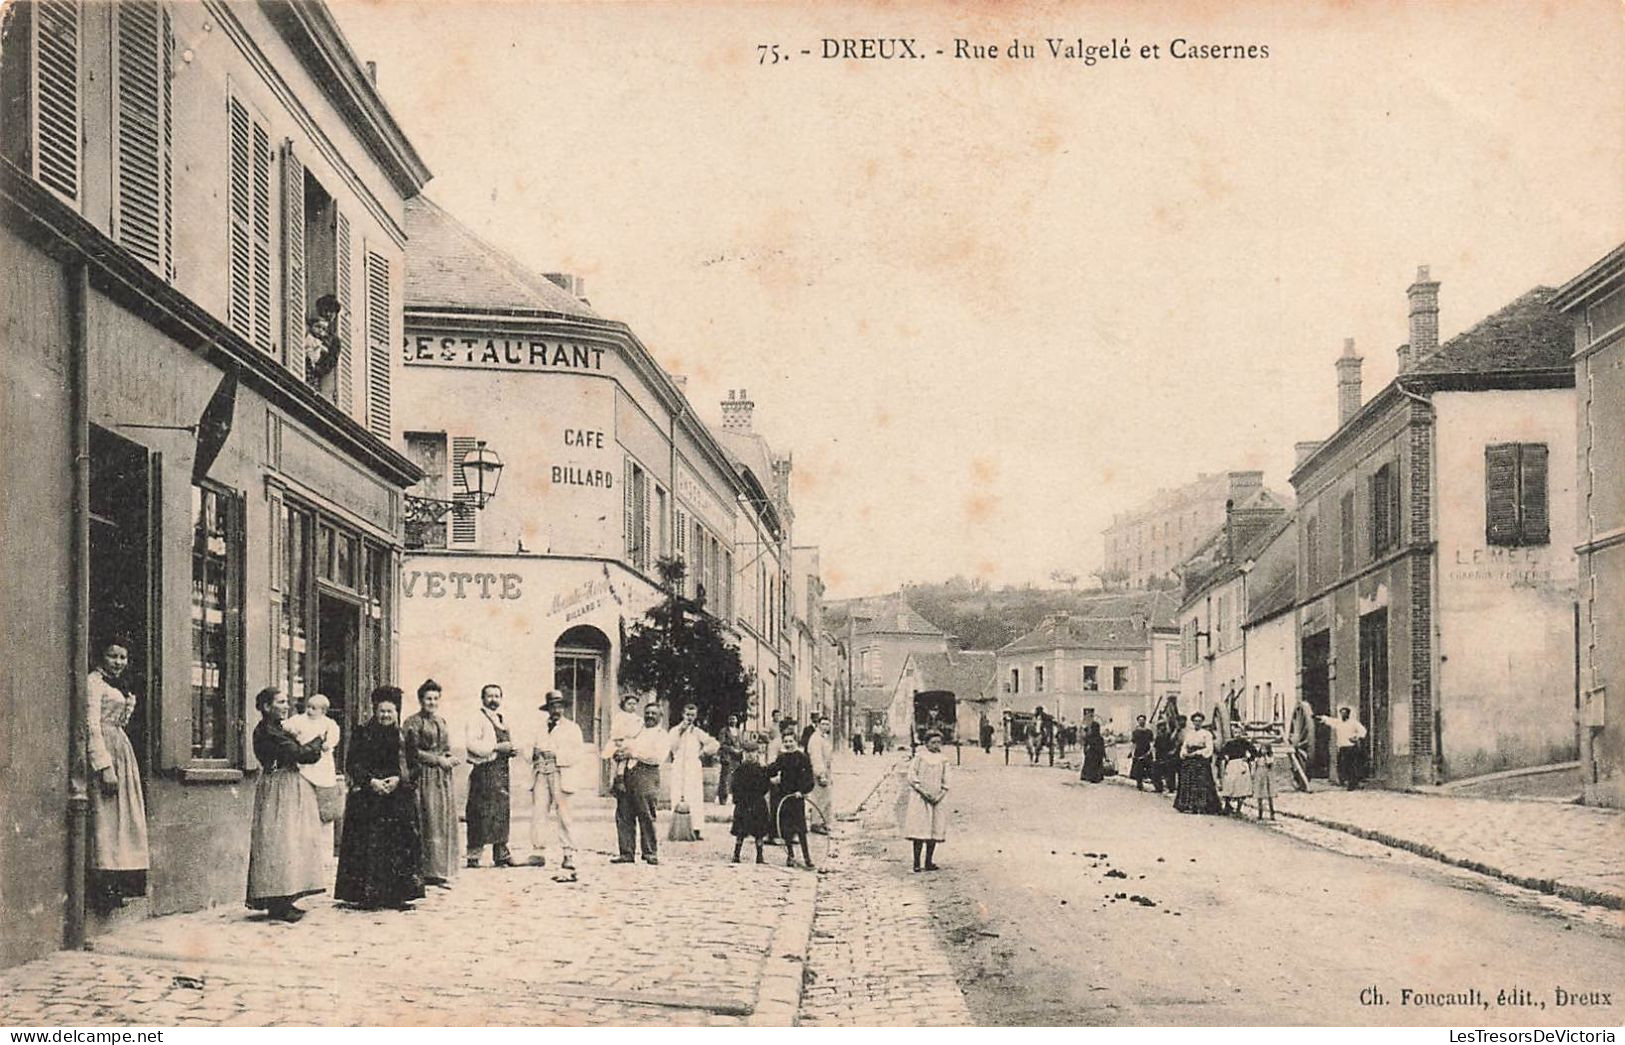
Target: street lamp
<point x="482" y="470"/>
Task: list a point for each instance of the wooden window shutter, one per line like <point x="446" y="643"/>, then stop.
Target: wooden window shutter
<point x="1346" y="536"/>
<point x="58" y="104"/>
<point x="644" y="514"/>
<point x="1396" y="524"/>
<point x="464" y="524"/>
<point x="1501" y="494"/>
<point x="378" y="347"/>
<point x="261" y="187"/>
<point x="141" y="141"/>
<point x="680" y="548"/>
<point x="1532" y="500"/>
<point x="628" y="528"/>
<point x="293" y="260"/>
<point x="346" y="330"/>
<point x="240" y="260"/>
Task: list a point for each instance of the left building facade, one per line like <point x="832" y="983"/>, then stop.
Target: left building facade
<point x="202" y="212"/>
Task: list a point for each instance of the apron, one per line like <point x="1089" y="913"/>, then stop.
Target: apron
<point x="488" y="808"/>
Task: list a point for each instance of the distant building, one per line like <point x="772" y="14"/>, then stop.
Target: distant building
<point x="1269" y="628"/>
<point x="880" y="634"/>
<point x="1595" y="302"/>
<point x="1144" y="546"/>
<point x="966" y="675"/>
<point x="1435" y="577"/>
<point x="1089" y="668"/>
<point x="1214" y="654"/>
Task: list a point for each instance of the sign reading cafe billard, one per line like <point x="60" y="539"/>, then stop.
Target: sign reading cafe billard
<point x="483" y="352"/>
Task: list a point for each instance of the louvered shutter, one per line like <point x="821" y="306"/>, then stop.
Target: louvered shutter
<point x="140" y="214"/>
<point x="1536" y="520"/>
<point x="166" y="129"/>
<point x="346" y="328"/>
<point x="378" y="344"/>
<point x="293" y="260"/>
<point x="1501" y="494"/>
<point x="681" y="528"/>
<point x="647" y="558"/>
<point x="464" y="524"/>
<point x="261" y="187"/>
<point x="628" y="526"/>
<point x="58" y="105"/>
<point x="240" y="264"/>
<point x="1396" y="524"/>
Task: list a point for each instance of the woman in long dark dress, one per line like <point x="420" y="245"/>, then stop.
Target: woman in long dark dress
<point x="1094" y="755"/>
<point x="1197" y="791"/>
<point x="287" y="851"/>
<point x="381" y="855"/>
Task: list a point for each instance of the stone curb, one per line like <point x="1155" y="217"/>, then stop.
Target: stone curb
<point x="1549" y="886"/>
<point x="778" y="993"/>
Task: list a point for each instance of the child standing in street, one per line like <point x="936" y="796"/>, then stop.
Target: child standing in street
<point x="795" y="776"/>
<point x="925" y="822"/>
<point x="750" y="786"/>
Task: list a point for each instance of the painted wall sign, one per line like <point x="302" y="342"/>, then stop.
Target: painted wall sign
<point x="482" y="352"/>
<point x="1515" y="566"/>
<point x="439" y="584"/>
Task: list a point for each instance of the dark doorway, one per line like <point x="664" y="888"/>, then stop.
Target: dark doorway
<point x="1317" y="690"/>
<point x="578" y="665"/>
<point x="1374" y="688"/>
<point x="123" y="518"/>
<point x="337" y="629"/>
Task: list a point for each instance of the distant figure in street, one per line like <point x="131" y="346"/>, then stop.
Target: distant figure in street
<point x="1142" y="760"/>
<point x="490" y="746"/>
<point x="1173" y="737"/>
<point x="287" y="849"/>
<point x="1235" y="765"/>
<point x="925" y="821"/>
<point x="1197" y="791"/>
<point x="381" y="851"/>
<point x="1349" y="733"/>
<point x="750" y="787"/>
<point x="1301" y="735"/>
<point x="430" y="762"/>
<point x="1046" y="735"/>
<point x="794" y="773"/>
<point x="643" y="754"/>
<point x="728" y="756"/>
<point x="1064" y="735"/>
<point x="857" y="743"/>
<point x="821" y="752"/>
<point x="987" y="737"/>
<point x="810" y="728"/>
<point x="554" y="753"/>
<point x="689" y="746"/>
<point x="1094" y="755"/>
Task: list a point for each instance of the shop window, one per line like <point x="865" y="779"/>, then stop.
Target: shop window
<point x="1091" y="676"/>
<point x="144" y="46"/>
<point x="1119" y="678"/>
<point x="1515" y="509"/>
<point x="293" y="635"/>
<point x="217" y="603"/>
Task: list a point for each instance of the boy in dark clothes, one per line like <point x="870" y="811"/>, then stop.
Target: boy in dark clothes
<point x="750" y="786"/>
<point x="795" y="776"/>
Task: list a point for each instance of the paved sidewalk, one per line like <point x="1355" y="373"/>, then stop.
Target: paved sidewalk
<point x="1572" y="851"/>
<point x="875" y="959"/>
<point x="625" y="945"/>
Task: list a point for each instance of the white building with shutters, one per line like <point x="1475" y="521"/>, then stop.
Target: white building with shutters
<point x="607" y="469"/>
<point x="180" y="185"/>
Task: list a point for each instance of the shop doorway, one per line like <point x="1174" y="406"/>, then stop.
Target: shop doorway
<point x="1317" y="690"/>
<point x="579" y="659"/>
<point x="1374" y="687"/>
<point x="337" y="631"/>
<point x="123" y="571"/>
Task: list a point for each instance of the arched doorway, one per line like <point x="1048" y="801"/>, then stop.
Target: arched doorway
<point x="580" y="659"/>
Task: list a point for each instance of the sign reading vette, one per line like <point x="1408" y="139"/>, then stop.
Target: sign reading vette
<point x="482" y="352"/>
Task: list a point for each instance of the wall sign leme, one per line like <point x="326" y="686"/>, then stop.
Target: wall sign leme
<point x="489" y="352"/>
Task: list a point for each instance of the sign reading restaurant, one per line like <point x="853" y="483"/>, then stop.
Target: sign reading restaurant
<point x="482" y="352"/>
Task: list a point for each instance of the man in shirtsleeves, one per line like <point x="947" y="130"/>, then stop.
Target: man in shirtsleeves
<point x="489" y="745"/>
<point x="553" y="753"/>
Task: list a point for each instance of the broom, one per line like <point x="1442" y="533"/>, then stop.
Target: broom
<point x="682" y="825"/>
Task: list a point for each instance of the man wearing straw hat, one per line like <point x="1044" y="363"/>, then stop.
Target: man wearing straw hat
<point x="553" y="755"/>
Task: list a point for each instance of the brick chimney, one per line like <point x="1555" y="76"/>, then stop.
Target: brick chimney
<point x="1403" y="355"/>
<point x="1302" y="451"/>
<point x="1424" y="314"/>
<point x="1348" y="382"/>
<point x="736" y="411"/>
<point x="570" y="283"/>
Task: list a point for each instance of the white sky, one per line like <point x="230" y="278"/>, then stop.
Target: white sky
<point x="987" y="304"/>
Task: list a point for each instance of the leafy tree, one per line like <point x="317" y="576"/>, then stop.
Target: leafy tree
<point x="680" y="653"/>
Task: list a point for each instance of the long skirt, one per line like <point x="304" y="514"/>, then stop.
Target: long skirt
<point x="1196" y="791"/>
<point x="922" y="821"/>
<point x="1094" y="767"/>
<point x="287" y="846"/>
<point x="439" y="821"/>
<point x="119" y="821"/>
<point x="488" y="809"/>
<point x="1238" y="778"/>
<point x="380" y="856"/>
